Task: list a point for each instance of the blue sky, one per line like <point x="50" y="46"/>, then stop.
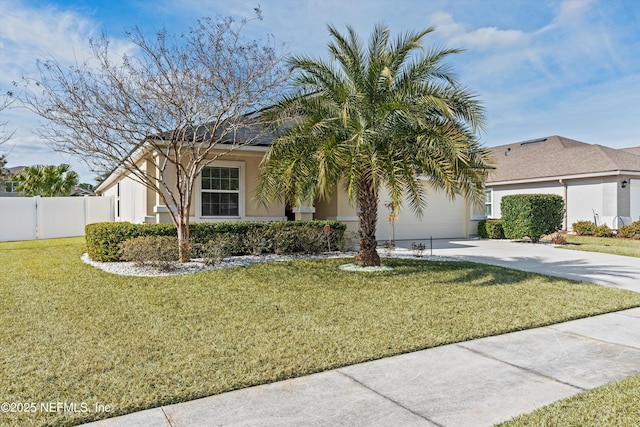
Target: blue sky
<point x="540" y="67"/>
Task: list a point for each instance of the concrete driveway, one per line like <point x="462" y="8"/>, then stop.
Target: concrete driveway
<point x="610" y="270"/>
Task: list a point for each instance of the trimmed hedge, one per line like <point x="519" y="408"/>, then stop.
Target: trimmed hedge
<point x="104" y="239"/>
<point x="154" y="250"/>
<point x="531" y="215"/>
<point x="490" y="229"/>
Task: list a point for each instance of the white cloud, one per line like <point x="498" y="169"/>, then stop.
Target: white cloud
<point x="484" y="38"/>
<point x="29" y="34"/>
<point x="571" y="9"/>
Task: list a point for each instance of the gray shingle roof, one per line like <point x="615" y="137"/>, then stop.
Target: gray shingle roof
<point x="632" y="150"/>
<point x="556" y="156"/>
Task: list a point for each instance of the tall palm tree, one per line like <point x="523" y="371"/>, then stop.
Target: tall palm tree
<point x="47" y="181"/>
<point x="372" y="116"/>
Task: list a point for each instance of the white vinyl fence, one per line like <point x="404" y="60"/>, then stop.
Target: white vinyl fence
<point x="30" y="218"/>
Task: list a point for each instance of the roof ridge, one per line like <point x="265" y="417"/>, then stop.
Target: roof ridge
<point x="624" y="157"/>
<point x="608" y="153"/>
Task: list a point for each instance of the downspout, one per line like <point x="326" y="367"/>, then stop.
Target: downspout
<point x="566" y="203"/>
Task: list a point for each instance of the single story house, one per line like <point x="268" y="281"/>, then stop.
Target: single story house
<point x="225" y="191"/>
<point x="597" y="183"/>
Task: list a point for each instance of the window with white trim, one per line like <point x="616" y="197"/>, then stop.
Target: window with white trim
<point x="220" y="190"/>
<point x="488" y="204"/>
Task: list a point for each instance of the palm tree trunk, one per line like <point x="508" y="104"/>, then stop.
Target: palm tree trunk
<point x="368" y="256"/>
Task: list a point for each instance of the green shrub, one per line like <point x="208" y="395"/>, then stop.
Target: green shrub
<point x="219" y="247"/>
<point x="314" y="241"/>
<point x="202" y="232"/>
<point x="157" y="251"/>
<point x="104" y="239"/>
<point x="631" y="231"/>
<point x="603" y="231"/>
<point x="256" y="242"/>
<point x="305" y="236"/>
<point x="531" y="215"/>
<point x="490" y="229"/>
<point x="584" y="228"/>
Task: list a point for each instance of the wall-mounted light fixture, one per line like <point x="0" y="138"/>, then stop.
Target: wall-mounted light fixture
<point x="624" y="184"/>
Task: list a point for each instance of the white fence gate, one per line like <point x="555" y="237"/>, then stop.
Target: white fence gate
<point x="29" y="218"/>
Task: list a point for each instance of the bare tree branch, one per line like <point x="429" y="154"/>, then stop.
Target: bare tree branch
<point x="178" y="102"/>
<point x="5" y="101"/>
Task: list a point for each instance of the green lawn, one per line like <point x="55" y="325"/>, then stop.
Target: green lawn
<point x="72" y="333"/>
<point x="614" y="404"/>
<point x="607" y="245"/>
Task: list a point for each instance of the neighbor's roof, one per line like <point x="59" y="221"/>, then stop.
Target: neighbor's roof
<point x="15" y="170"/>
<point x="632" y="150"/>
<point x="556" y="156"/>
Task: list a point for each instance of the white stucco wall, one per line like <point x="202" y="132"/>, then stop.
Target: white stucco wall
<point x="130" y="200"/>
<point x="441" y="218"/>
<point x="600" y="199"/>
<point x="585" y="201"/>
<point x="634" y="190"/>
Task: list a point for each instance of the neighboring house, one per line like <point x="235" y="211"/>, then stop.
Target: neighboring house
<point x="597" y="183"/>
<point x="8" y="188"/>
<point x="79" y="191"/>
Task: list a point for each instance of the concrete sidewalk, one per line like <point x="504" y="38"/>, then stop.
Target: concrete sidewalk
<point x="474" y="383"/>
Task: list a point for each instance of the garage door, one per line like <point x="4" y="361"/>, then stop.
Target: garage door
<point x="442" y="218"/>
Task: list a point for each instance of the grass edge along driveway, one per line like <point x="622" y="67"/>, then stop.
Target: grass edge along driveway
<point x="607" y="245"/>
<point x="74" y="334"/>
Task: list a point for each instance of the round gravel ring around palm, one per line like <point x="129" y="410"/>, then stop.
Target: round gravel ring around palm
<point x="358" y="268"/>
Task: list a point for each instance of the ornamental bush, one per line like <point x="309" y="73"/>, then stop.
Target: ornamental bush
<point x="239" y="238"/>
<point x="531" y="215"/>
<point x="490" y="229"/>
<point x="156" y="251"/>
<point x="584" y="228"/>
<point x="219" y="247"/>
<point x="631" y="231"/>
<point x="104" y="238"/>
<point x="603" y="231"/>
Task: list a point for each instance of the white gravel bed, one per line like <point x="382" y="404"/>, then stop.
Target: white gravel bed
<point x="197" y="265"/>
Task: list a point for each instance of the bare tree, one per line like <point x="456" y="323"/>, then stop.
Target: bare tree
<point x="177" y="102"/>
